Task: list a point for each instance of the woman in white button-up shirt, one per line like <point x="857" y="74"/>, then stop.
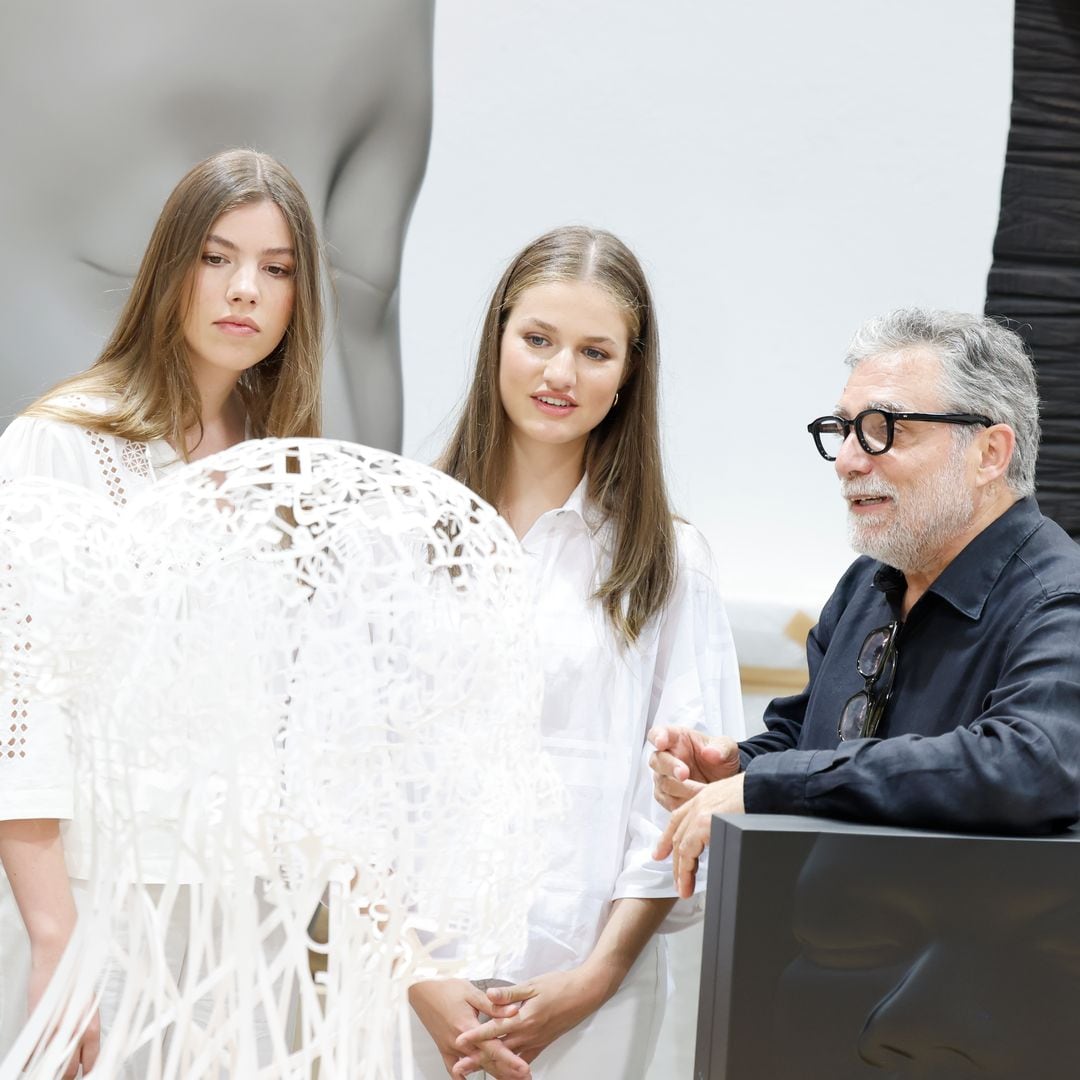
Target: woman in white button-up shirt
<point x="560" y="433"/>
<point x="220" y="339"/>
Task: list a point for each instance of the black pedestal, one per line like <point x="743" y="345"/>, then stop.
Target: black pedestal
<point x="838" y="951"/>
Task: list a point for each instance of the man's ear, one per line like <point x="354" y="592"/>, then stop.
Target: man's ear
<point x="996" y="445"/>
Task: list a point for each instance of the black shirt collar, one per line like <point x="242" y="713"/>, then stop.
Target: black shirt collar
<point x="966" y="582"/>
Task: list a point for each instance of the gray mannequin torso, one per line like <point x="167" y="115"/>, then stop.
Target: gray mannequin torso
<point x="108" y="105"/>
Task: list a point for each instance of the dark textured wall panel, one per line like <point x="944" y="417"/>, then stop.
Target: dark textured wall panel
<point x="1035" y="276"/>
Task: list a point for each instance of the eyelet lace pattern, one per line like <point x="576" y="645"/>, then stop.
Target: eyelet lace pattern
<point x="135" y="457"/>
<point x="13" y="742"/>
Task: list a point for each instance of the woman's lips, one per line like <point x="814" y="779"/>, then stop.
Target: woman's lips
<point x="240" y="329"/>
<point x="546" y="404"/>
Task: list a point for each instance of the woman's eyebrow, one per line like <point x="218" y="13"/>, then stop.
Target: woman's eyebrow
<point x="222" y="242"/>
<point x="595" y="338"/>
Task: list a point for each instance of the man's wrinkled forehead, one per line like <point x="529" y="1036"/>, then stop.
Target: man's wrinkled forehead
<point x="905" y="381"/>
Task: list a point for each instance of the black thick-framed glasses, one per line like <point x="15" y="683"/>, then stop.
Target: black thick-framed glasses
<point x="874" y="428"/>
<point x="876" y="663"/>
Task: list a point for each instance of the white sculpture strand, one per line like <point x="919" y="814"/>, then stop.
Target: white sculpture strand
<point x="296" y="667"/>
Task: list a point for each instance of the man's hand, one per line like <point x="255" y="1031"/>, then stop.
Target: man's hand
<point x="686" y="760"/>
<point x="447" y="1007"/>
<point x="687" y="834"/>
<point x="552" y="1004"/>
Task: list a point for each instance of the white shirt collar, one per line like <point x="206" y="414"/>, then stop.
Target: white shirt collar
<point x="577" y="508"/>
<point x="578" y="500"/>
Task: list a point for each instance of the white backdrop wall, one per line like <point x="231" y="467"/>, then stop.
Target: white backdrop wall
<point x="784" y="169"/>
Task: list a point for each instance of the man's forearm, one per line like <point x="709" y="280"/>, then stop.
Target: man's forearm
<point x="991" y="775"/>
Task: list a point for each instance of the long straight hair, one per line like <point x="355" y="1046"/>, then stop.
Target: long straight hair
<point x="622" y="453"/>
<point x="143" y="370"/>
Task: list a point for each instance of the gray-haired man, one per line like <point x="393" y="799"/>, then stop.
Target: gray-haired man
<point x="945" y="669"/>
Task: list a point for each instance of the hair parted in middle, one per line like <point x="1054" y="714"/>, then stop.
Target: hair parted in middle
<point x="622" y="455"/>
<point x="143" y="370"/>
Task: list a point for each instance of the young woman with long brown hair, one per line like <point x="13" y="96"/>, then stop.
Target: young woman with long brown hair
<point x="220" y="340"/>
<point x="560" y="432"/>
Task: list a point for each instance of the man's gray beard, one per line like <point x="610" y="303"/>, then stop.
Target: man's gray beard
<point x="934" y="510"/>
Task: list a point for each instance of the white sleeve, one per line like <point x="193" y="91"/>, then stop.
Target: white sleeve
<point x="35" y="766"/>
<point x="32" y="446"/>
<point x="695" y="685"/>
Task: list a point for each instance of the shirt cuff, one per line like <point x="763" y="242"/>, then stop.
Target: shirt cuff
<point x="776" y="783"/>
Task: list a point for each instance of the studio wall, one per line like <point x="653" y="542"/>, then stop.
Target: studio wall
<point x="784" y="170"/>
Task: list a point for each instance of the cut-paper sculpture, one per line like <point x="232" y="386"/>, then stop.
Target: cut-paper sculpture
<point x="296" y="672"/>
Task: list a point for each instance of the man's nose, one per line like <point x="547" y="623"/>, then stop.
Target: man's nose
<point x="851" y="458"/>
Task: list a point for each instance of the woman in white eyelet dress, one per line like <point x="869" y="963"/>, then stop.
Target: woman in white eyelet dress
<point x="220" y="339"/>
<point x="559" y="431"/>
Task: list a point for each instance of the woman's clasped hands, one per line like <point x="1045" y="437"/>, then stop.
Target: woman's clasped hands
<point x="545" y="1008"/>
<point x="523" y="1020"/>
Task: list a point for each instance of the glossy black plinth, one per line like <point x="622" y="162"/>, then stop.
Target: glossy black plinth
<point x="845" y="952"/>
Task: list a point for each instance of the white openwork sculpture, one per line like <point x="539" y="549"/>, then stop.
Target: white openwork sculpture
<point x="296" y="669"/>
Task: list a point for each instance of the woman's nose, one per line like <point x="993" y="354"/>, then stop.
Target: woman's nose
<point x="243" y="287"/>
<point x="560" y="371"/>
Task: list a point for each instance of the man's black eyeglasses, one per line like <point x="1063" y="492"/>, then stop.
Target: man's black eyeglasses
<point x="874" y="428"/>
<point x="877" y="665"/>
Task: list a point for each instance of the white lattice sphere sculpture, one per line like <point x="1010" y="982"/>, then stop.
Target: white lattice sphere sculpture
<point x="311" y="670"/>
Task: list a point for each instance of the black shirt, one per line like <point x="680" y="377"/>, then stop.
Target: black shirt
<point x="982" y="731"/>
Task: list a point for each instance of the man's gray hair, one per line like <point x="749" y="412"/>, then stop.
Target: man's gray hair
<point x="985" y="368"/>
